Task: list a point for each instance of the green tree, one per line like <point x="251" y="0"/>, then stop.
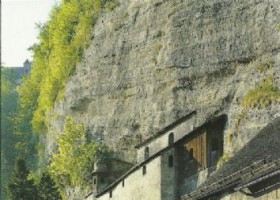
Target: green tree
<point x="47" y="189"/>
<point x="21" y="188"/>
<point x="9" y="107"/>
<point x="72" y="163"/>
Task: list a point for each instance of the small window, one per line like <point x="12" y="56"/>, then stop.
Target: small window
<point x="144" y="170"/>
<point x="191" y="154"/>
<point x="146" y="153"/>
<point x="111" y="193"/>
<point x="171" y="138"/>
<point x="94" y="181"/>
<point x="170" y="161"/>
<point x="123" y="182"/>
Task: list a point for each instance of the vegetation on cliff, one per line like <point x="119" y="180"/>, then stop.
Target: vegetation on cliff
<point x="72" y="163"/>
<point x="63" y="40"/>
<point x="262" y="96"/>
<point x="27" y="109"/>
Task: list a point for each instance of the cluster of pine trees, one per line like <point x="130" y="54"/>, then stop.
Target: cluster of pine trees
<point x="22" y="187"/>
<point x="16" y="180"/>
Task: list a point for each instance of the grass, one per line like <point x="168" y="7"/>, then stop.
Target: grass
<point x="262" y="96"/>
<point x="265" y="67"/>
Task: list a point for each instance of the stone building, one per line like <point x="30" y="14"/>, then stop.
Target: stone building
<point x="180" y="162"/>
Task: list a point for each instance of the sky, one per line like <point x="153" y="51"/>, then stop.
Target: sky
<point x="18" y="29"/>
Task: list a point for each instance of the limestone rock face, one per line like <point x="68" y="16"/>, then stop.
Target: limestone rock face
<point x="151" y="62"/>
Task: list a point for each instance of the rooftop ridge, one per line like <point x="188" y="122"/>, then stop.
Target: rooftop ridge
<point x="167" y="128"/>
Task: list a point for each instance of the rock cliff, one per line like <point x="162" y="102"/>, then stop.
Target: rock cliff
<point x="153" y="61"/>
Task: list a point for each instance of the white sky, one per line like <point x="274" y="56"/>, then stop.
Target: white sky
<point x="18" y="31"/>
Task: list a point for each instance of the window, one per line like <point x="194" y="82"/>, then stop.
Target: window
<point x="171" y="138"/>
<point x="146" y="153"/>
<point x="191" y="154"/>
<point x="111" y="193"/>
<point x="170" y="161"/>
<point x="94" y="181"/>
<point x="123" y="182"/>
<point x="144" y="170"/>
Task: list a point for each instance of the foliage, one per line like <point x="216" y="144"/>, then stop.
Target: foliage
<point x="24" y="187"/>
<point x="47" y="189"/>
<point x="62" y="42"/>
<point x="263" y="96"/>
<point x="9" y="100"/>
<point x="223" y="159"/>
<point x="21" y="187"/>
<point x="72" y="163"/>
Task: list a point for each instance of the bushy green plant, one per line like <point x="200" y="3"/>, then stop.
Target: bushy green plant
<point x="262" y="96"/>
<point x="72" y="164"/>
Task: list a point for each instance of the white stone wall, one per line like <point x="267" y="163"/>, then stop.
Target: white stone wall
<point x="138" y="186"/>
<point x="162" y="142"/>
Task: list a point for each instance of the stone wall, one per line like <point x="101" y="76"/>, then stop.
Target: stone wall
<point x="138" y="185"/>
<point x="161" y="142"/>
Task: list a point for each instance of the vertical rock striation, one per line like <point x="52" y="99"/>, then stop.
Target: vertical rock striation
<point x="153" y="61"/>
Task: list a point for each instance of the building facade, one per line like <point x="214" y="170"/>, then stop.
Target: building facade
<point x="173" y="162"/>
